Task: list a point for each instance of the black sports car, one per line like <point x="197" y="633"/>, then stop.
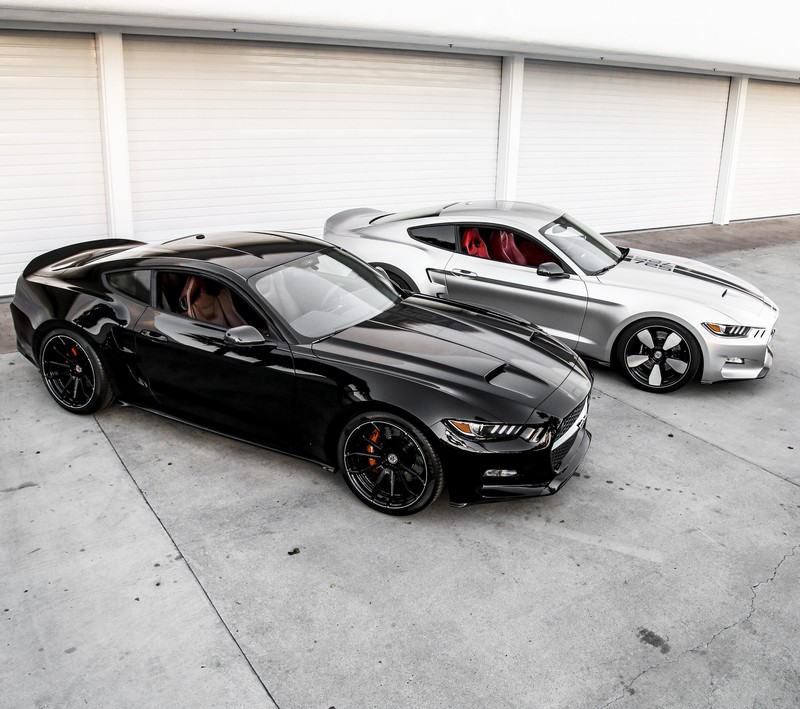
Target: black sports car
<point x="293" y="344"/>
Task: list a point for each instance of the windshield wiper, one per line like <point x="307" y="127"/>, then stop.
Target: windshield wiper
<point x="331" y="334"/>
<point x="624" y="250"/>
<point x="606" y="268"/>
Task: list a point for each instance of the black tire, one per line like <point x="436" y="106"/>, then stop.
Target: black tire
<point x="400" y="282"/>
<point x="73" y="373"/>
<point x="658" y="355"/>
<point x="389" y="464"/>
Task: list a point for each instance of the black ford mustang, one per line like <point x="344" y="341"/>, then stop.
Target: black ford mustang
<point x="293" y="344"/>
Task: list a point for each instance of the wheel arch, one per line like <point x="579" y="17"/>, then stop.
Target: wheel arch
<point x="614" y="340"/>
<point x="99" y="343"/>
<point x="399" y="273"/>
<point x="56" y="324"/>
<point x="338" y="422"/>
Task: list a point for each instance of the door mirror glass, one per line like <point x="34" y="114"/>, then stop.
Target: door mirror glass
<point x="243" y="336"/>
<point x="550" y="269"/>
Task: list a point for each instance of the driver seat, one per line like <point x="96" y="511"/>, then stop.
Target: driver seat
<point x="503" y="248"/>
<point x="209" y="302"/>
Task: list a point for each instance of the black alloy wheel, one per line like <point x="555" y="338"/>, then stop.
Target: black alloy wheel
<point x="74" y="374"/>
<point x="658" y="355"/>
<point x="389" y="464"/>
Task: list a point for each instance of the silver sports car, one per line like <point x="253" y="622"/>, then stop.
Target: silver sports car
<point x="659" y="319"/>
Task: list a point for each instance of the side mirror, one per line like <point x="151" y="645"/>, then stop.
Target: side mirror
<point x="550" y="269"/>
<point x="243" y="336"/>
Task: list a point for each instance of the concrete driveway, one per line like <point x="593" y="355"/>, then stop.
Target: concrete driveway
<point x="147" y="563"/>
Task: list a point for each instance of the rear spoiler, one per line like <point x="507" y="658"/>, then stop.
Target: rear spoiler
<point x="350" y="219"/>
<point x="64" y="252"/>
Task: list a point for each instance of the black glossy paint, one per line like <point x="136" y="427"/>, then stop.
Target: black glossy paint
<point x="425" y="359"/>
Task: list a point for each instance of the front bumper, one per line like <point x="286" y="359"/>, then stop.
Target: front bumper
<point x="738" y="358"/>
<point x="468" y="485"/>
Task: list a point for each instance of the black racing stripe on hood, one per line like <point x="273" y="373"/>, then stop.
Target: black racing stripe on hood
<point x="692" y="273"/>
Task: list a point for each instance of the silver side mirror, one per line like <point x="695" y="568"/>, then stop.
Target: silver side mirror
<point x="550" y="269"/>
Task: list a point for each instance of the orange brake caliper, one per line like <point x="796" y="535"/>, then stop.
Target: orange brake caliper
<point x="370" y="449"/>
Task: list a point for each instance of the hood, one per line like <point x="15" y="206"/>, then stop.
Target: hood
<point x="440" y="342"/>
<point x="695" y="281"/>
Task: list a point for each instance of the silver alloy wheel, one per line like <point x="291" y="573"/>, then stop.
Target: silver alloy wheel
<point x="385" y="464"/>
<point x="658" y="357"/>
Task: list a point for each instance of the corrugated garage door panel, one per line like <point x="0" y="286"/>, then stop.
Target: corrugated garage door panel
<point x="622" y="149"/>
<point x="255" y="135"/>
<point x="768" y="172"/>
<point x="51" y="163"/>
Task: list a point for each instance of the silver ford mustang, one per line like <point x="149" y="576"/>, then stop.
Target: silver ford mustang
<point x="659" y="319"/>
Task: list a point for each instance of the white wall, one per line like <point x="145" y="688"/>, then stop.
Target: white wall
<point x="727" y="35"/>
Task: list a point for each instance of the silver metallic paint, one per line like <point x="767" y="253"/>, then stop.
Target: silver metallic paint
<point x="586" y="312"/>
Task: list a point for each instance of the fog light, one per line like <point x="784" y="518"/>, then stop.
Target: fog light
<point x="497" y="473"/>
<point x="734" y="360"/>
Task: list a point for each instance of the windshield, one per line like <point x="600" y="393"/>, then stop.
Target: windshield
<point x="325" y="292"/>
<point x="592" y="252"/>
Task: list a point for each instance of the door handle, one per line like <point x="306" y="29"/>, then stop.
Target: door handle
<point x="464" y="274"/>
<point x="157" y="336"/>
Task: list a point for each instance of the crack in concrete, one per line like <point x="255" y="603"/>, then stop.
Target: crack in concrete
<point x="627" y="688"/>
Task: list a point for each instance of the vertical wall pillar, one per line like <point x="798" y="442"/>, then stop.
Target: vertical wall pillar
<point x="510" y="125"/>
<point x="115" y="134"/>
<point x="731" y="143"/>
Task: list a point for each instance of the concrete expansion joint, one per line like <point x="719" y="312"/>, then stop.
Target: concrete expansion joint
<point x="701" y="439"/>
<point x="188" y="565"/>
<point x="627" y="688"/>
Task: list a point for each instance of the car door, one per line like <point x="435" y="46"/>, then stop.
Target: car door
<point x="244" y="391"/>
<point x="557" y="304"/>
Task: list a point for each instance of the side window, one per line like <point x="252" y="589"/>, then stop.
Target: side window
<point x="473" y="241"/>
<point x="442" y="236"/>
<point x="535" y="254"/>
<point x="204" y="299"/>
<point x="135" y="284"/>
<point x="503" y="245"/>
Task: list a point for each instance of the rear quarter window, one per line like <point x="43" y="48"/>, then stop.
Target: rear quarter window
<point x="134" y="284"/>
<point x="442" y="236"/>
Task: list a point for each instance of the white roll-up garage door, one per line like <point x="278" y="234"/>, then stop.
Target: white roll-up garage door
<point x="269" y="136"/>
<point x="52" y="189"/>
<point x="767" y="181"/>
<point x="621" y="148"/>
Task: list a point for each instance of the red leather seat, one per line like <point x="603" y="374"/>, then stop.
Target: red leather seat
<point x="503" y="248"/>
<point x="473" y="244"/>
<point x="210" y="303"/>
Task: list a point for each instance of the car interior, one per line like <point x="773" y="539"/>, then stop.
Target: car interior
<point x="502" y="245"/>
<point x="204" y="299"/>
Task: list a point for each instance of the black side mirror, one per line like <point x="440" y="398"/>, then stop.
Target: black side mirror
<point x="550" y="269"/>
<point x="243" y="336"/>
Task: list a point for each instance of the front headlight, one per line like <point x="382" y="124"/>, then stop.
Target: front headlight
<point x="539" y="436"/>
<point x="727" y="330"/>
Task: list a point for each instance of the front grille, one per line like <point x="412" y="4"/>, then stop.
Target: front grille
<point x="557" y="455"/>
<point x="559" y="452"/>
<point x="569" y="419"/>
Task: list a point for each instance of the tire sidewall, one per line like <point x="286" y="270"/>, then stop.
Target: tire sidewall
<point x="102" y="395"/>
<point x="435" y="481"/>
